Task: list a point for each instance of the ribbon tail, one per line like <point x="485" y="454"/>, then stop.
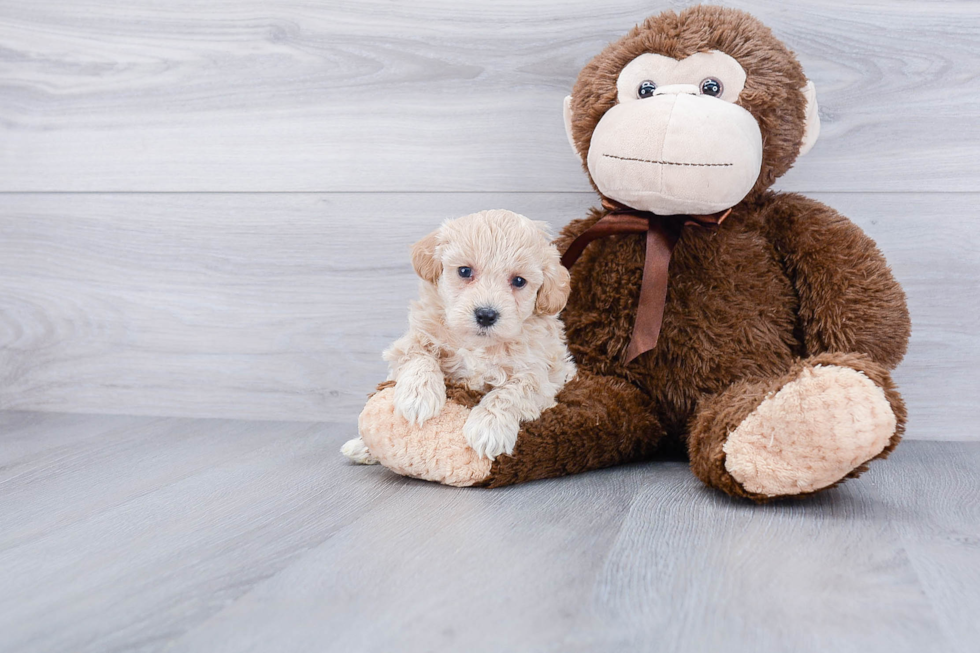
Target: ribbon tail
<point x="653" y="291"/>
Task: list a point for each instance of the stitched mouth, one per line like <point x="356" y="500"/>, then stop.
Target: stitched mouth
<point x="670" y="163"/>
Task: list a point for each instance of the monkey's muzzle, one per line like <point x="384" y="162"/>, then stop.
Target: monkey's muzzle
<point x="676" y="153"/>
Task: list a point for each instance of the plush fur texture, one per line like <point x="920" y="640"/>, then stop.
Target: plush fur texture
<point x="492" y="285"/>
<point x="421" y="451"/>
<point x="721" y="414"/>
<point x="784" y="288"/>
<point x="810" y="433"/>
<point x="675" y="150"/>
<point x="772" y="91"/>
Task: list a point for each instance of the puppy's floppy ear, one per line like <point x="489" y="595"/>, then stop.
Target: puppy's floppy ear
<point x="553" y="293"/>
<point x="424" y="258"/>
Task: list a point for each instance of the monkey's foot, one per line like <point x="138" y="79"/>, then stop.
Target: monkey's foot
<point x="436" y="451"/>
<point x="811" y="433"/>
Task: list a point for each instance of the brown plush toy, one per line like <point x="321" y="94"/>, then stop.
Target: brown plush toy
<point x="764" y="349"/>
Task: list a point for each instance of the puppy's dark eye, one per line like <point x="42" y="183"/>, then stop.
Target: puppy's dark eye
<point x="518" y="282"/>
<point x="646" y="89"/>
<point x="465" y="272"/>
<point x="712" y="87"/>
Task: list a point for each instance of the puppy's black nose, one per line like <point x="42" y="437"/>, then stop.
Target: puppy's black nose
<point x="485" y="316"/>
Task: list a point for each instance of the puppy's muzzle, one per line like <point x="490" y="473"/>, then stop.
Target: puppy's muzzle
<point x="485" y="316"/>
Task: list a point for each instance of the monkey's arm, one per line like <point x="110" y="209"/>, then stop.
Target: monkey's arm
<point x="599" y="421"/>
<point x="849" y="299"/>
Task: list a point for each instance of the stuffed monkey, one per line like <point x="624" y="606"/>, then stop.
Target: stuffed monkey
<point x="754" y="329"/>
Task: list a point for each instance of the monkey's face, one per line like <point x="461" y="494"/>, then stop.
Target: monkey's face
<point x="676" y="142"/>
<point x="696" y="132"/>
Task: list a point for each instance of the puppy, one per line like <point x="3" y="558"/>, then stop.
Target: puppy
<point x="492" y="287"/>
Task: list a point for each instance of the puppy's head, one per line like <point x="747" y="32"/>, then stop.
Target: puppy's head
<point x="493" y="270"/>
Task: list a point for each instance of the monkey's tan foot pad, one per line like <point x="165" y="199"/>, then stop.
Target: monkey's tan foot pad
<point x="810" y="433"/>
<point x="436" y="451"/>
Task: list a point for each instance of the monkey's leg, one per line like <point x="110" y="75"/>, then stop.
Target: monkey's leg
<point x="597" y="422"/>
<point x="802" y="432"/>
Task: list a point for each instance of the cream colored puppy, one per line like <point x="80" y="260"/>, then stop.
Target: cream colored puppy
<point x="492" y="287"/>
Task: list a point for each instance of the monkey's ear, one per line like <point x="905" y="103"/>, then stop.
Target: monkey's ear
<point x="568" y="123"/>
<point x="553" y="293"/>
<point x="424" y="258"/>
<point x="812" y="127"/>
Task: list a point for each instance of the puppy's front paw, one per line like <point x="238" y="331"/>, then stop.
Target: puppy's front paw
<point x="419" y="398"/>
<point x="490" y="435"/>
<point x="357" y="451"/>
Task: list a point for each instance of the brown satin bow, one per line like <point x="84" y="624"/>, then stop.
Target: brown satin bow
<point x="662" y="233"/>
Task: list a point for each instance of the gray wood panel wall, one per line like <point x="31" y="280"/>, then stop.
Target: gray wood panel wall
<point x="206" y="208"/>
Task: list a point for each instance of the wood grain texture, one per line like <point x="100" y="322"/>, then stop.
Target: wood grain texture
<point x="298" y="95"/>
<point x="343" y="132"/>
<point x="278" y="306"/>
<point x="943" y="546"/>
<point x="203" y="304"/>
<point x="187" y="514"/>
<point x="272" y="541"/>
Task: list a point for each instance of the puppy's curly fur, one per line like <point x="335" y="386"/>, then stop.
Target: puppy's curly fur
<point x="487" y="318"/>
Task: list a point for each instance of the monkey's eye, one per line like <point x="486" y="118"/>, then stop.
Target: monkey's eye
<point x="646" y="89"/>
<point x="518" y="282"/>
<point x="465" y="272"/>
<point x="712" y="87"/>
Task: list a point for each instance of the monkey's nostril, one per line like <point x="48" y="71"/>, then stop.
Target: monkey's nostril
<point x="485" y="316"/>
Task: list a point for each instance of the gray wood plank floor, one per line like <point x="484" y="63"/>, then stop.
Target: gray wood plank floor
<point x="151" y="534"/>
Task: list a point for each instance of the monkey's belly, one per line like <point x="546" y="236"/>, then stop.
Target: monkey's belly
<point x="730" y="314"/>
<point x="706" y="352"/>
